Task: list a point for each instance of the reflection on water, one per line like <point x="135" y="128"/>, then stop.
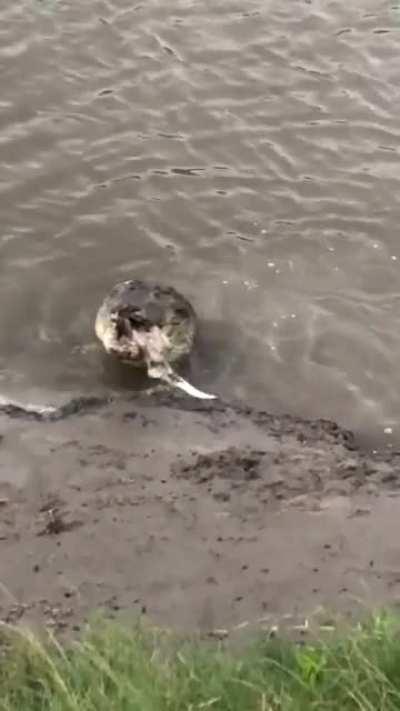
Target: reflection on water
<point x="246" y="152"/>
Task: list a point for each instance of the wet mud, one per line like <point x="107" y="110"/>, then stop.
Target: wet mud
<point x="201" y="516"/>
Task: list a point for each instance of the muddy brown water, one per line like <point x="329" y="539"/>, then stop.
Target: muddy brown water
<point x="247" y="153"/>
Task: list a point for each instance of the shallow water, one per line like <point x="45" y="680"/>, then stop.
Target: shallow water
<point x="248" y="153"/>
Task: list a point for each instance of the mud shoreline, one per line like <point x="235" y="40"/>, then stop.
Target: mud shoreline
<point x="199" y="515"/>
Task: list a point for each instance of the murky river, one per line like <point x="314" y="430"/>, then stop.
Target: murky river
<point x="247" y="152"/>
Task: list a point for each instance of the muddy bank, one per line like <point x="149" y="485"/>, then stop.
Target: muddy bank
<point x="198" y="515"/>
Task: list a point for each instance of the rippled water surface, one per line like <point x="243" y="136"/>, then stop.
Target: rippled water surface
<point x="246" y="152"/>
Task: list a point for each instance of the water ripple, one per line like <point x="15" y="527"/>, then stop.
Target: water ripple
<point x="250" y="155"/>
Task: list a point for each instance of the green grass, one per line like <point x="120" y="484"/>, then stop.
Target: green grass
<point x="114" y="668"/>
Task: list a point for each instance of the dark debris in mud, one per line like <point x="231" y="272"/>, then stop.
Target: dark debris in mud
<point x="57" y="522"/>
<point x="233" y="464"/>
<point x="287" y="473"/>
